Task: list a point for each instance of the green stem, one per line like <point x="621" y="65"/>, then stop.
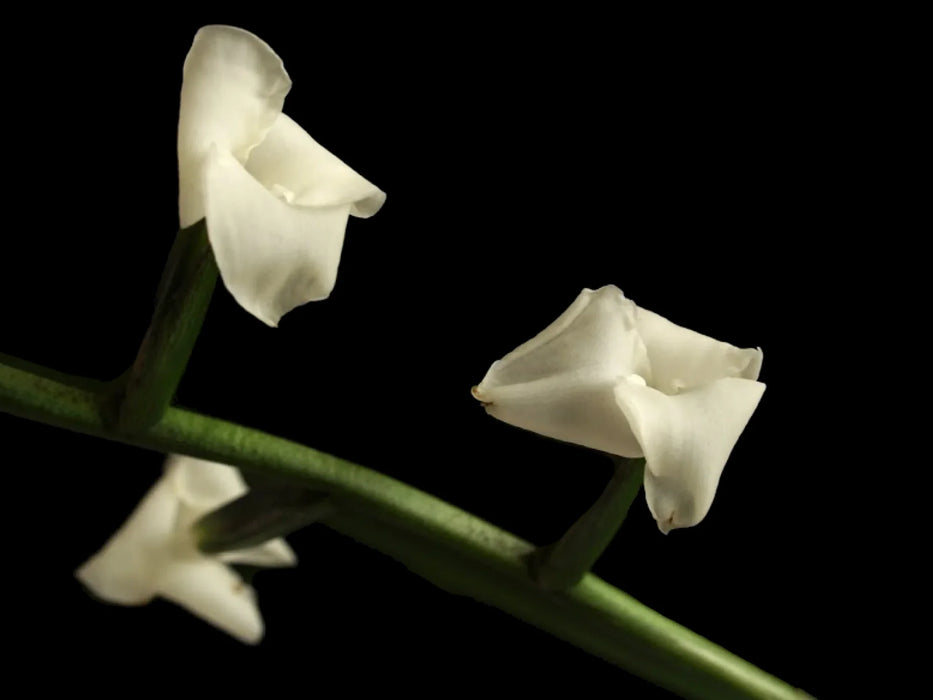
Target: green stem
<point x="593" y="615"/>
<point x="562" y="564"/>
<point x="446" y="545"/>
<point x="261" y="514"/>
<point x="181" y="304"/>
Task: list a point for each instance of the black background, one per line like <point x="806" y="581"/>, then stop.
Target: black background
<point x="521" y="165"/>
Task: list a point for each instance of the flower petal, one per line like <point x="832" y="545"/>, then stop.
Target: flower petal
<point x="213" y="592"/>
<point x="201" y="485"/>
<point x="272" y="256"/>
<point x="682" y="358"/>
<point x="233" y="90"/>
<point x="126" y="569"/>
<point x="686" y="441"/>
<point x="272" y="553"/>
<point x="288" y="158"/>
<point x="595" y="337"/>
<point x="561" y="382"/>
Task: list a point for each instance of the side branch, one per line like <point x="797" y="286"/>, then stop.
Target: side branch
<point x="146" y="390"/>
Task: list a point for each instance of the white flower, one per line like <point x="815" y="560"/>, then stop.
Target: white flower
<point x="276" y="201"/>
<point x="618" y="378"/>
<point x="154" y="553"/>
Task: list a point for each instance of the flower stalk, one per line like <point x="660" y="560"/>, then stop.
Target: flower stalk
<point x="561" y="565"/>
<point x="184" y="294"/>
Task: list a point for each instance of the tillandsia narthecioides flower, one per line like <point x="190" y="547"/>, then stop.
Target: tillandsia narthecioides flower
<point x="276" y="202"/>
<point x="615" y="377"/>
<point x="154" y="553"/>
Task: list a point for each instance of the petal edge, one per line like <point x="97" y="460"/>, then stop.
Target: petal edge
<point x="291" y="159"/>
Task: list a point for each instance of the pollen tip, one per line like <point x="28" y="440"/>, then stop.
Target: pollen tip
<point x="475" y="391"/>
<point x="665" y="526"/>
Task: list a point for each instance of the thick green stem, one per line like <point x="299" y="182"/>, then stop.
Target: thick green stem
<point x="562" y="564"/>
<point x="181" y="304"/>
<point x="593" y="615"/>
<point x="436" y="540"/>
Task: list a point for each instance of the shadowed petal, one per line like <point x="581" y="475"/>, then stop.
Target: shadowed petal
<point x="681" y="358"/>
<point x="289" y="158"/>
<point x="213" y="592"/>
<point x="686" y="441"/>
<point x="233" y="90"/>
<point x="272" y="256"/>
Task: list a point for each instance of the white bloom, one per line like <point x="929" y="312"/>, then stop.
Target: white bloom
<point x="276" y="201"/>
<point x="154" y="553"/>
<point x="618" y="378"/>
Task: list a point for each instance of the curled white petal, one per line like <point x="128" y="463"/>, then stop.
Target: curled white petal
<point x="126" y="569"/>
<point x="272" y="256"/>
<point x="210" y="590"/>
<point x="276" y="202"/>
<point x="687" y="439"/>
<point x="288" y="158"/>
<point x="203" y="485"/>
<point x="233" y="90"/>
